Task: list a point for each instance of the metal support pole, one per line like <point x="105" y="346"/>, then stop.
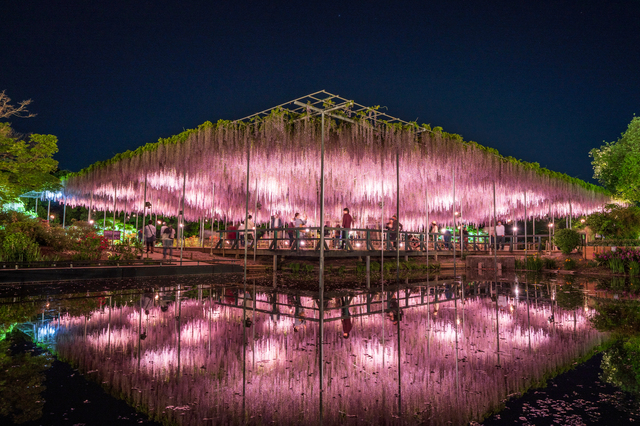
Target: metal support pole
<point x="321" y="272"/>
<point x="255" y="223"/>
<point x="90" y="207"/>
<point x="570" y="215"/>
<point x="113" y="225"/>
<point x="495" y="235"/>
<point x="184" y="188"/>
<point x="453" y="174"/>
<point x="49" y="212"/>
<point x="144" y="211"/>
<point x="525" y="224"/>
<point x="64" y="213"/>
<point x="213" y="198"/>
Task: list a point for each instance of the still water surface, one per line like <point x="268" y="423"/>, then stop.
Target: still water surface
<point x="189" y="352"/>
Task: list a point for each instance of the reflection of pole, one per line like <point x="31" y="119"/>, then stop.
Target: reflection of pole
<point x="179" y="327"/>
<point x="140" y="330"/>
<point x="109" y="324"/>
<point x="526" y="283"/>
<point x="210" y="314"/>
<point x="497" y="323"/>
<point x="455" y="324"/>
<point x="398" y="235"/>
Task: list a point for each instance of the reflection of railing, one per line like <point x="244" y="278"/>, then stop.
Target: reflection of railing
<point x="367" y="239"/>
<point x="437" y="294"/>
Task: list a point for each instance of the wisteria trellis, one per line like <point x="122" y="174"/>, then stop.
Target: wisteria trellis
<point x="360" y="161"/>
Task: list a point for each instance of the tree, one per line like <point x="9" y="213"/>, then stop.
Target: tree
<point x="24" y="165"/>
<point x="615" y="221"/>
<point x="7" y="110"/>
<point x="617" y="164"/>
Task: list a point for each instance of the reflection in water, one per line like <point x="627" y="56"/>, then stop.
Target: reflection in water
<point x="441" y="356"/>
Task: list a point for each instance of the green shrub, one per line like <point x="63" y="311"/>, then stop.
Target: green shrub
<point x="570" y="264"/>
<point x="533" y="263"/>
<point x="634" y="268"/>
<point x="617" y="265"/>
<point x="549" y="263"/>
<point x="567" y="240"/>
<point x="19" y="248"/>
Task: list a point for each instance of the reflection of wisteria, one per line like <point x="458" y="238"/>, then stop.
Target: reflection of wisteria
<point x="202" y="378"/>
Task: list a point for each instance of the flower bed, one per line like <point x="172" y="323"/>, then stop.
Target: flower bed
<point x="622" y="261"/>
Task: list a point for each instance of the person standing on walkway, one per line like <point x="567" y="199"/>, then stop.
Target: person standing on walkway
<point x="276" y="223"/>
<point x="150" y="236"/>
<point x="347" y="220"/>
<point x="167" y="236"/>
<point x="394" y="226"/>
<point x="500" y="236"/>
<point x="298" y="222"/>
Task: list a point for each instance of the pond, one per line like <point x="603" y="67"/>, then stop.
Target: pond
<point x="183" y="350"/>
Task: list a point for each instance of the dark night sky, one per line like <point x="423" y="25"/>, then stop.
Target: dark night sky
<point x="543" y="81"/>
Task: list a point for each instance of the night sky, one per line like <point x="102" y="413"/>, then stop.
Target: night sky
<point x="543" y="81"/>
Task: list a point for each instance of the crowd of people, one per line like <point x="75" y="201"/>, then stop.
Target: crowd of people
<point x="294" y="234"/>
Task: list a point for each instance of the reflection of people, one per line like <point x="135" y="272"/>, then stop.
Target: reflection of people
<point x="146" y="302"/>
<point x="394" y="311"/>
<point x="275" y="310"/>
<point x="248" y="305"/>
<point x="231" y="296"/>
<point x="346" y="316"/>
<point x="299" y="316"/>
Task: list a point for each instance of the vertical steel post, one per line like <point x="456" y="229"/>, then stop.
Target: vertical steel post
<point x="453" y="174"/>
<point x="321" y="272"/>
<point x="144" y="212"/>
<point x="64" y="213"/>
<point x="255" y="223"/>
<point x="525" y="225"/>
<point x="113" y="225"/>
<point x="213" y="198"/>
<point x="495" y="235"/>
<point x="184" y="188"/>
<point x="90" y="207"/>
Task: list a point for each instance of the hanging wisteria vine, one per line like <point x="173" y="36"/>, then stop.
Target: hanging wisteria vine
<point x="360" y="161"/>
